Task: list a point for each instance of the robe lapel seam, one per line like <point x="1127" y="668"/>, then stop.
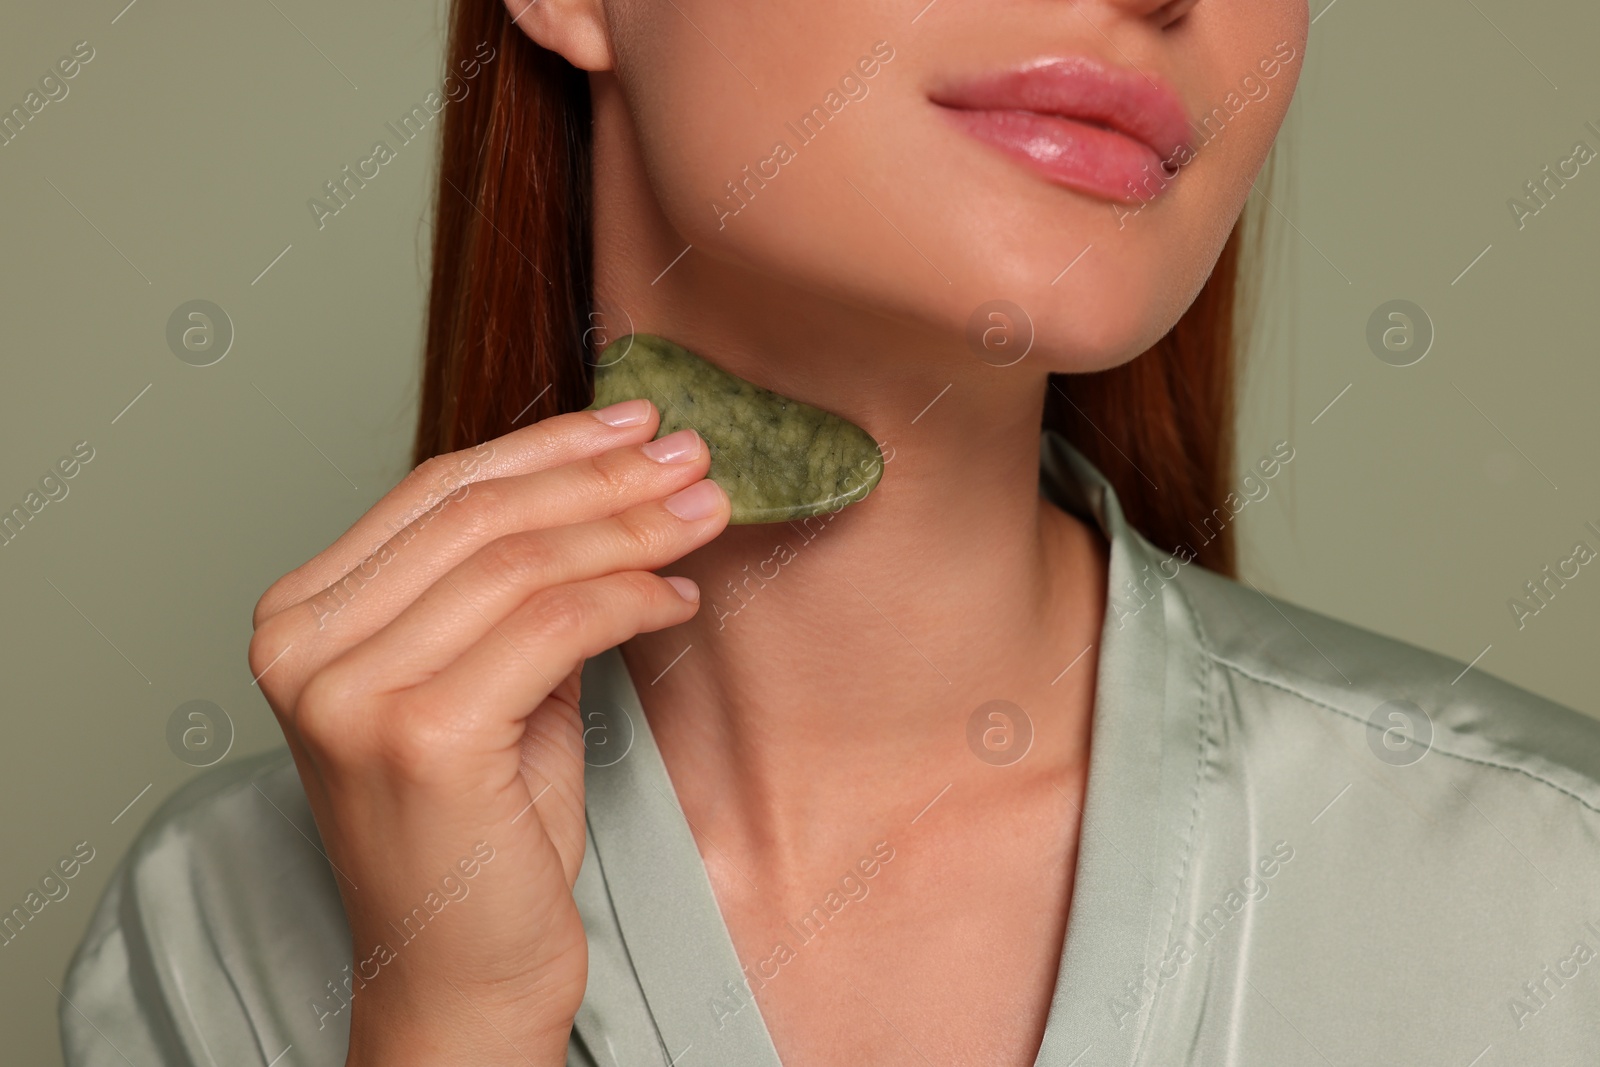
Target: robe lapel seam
<point x="1201" y="682"/>
<point x="627" y="952"/>
<point x="1181" y="637"/>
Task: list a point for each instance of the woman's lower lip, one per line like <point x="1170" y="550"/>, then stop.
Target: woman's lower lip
<point x="1089" y="159"/>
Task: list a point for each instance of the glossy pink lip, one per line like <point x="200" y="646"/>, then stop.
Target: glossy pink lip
<point x="1104" y="131"/>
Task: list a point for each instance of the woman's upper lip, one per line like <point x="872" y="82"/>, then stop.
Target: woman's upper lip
<point x="1085" y="90"/>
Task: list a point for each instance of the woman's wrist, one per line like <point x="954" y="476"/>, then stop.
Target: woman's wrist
<point x="382" y="1039"/>
<point x="412" y="1050"/>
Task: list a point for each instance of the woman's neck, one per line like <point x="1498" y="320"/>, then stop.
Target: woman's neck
<point x="835" y="663"/>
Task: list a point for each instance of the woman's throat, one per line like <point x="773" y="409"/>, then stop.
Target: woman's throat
<point x="776" y="458"/>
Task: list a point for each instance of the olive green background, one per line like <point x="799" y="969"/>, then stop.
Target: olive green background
<point x="178" y="168"/>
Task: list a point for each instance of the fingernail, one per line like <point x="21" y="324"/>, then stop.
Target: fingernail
<point x="686" y="588"/>
<point x="679" y="447"/>
<point x="626" y="413"/>
<point x="700" y="500"/>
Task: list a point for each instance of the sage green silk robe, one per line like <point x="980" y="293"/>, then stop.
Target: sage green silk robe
<point x="1302" y="844"/>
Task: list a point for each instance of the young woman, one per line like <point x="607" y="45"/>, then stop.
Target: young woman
<point x="996" y="766"/>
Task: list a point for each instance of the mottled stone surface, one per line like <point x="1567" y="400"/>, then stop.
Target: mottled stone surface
<point x="776" y="458"/>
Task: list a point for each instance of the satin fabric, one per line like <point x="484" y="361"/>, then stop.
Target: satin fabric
<point x="1301" y="843"/>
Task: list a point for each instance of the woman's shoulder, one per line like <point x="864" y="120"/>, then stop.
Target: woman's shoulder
<point x="221" y="832"/>
<point x="210" y="809"/>
<point x="1368" y="826"/>
<point x="1405" y="702"/>
<point x="221" y="936"/>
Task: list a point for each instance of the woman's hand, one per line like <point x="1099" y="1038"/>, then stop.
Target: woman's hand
<point x="425" y="671"/>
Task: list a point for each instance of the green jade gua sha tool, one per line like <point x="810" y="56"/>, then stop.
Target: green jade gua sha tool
<point x="776" y="458"/>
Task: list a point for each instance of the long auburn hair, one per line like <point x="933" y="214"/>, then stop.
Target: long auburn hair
<point x="510" y="299"/>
